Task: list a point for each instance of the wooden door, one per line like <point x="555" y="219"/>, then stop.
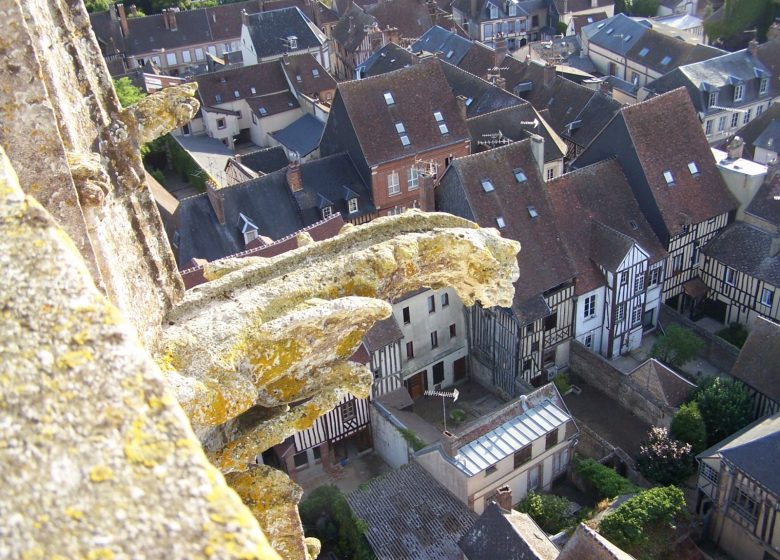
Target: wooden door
<point x="416" y="384"/>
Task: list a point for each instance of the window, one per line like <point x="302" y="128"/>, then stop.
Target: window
<point x="731" y="276"/>
<point x="301" y="460"/>
<point x="400" y="128"/>
<point x="490" y="470"/>
<point x="412" y="178"/>
<point x="713" y="99"/>
<point x="534" y="21"/>
<point x="450" y="53"/>
<point x="487" y="185"/>
<point x="512" y="10"/>
<point x="453" y="331"/>
<point x="443" y="128"/>
<point x="488" y="31"/>
<point x="721" y="124"/>
<point x="393" y="186"/>
<point x="708" y="128"/>
<point x="533" y="478"/>
<point x="551" y="440"/>
<point x="218" y="98"/>
<point x="445" y="299"/>
<point x="644" y="51"/>
<point x="666" y="60"/>
<point x="522" y="456"/>
<point x="292" y="42"/>
<point x="767" y="296"/>
<point x="745" y="505"/>
<point x="170" y="58"/>
<point x="532" y="212"/>
<point x="695" y="254"/>
<point x="693" y="168"/>
<point x="739" y="92"/>
<point x="621" y="312"/>
<point x="759" y="110"/>
<point x="527" y="366"/>
<point x="500" y="222"/>
<point x="735" y="120"/>
<point x="389" y="98"/>
<point x="315" y="72"/>
<point x="639" y="283"/>
<point x="636" y="315"/>
<point x="326" y="212"/>
<point x="677" y="264"/>
<point x="520" y="175"/>
<point x="624" y="278"/>
<point x="198" y="54"/>
<point x="551" y="174"/>
<point x="406" y="315"/>
<point x="560" y="461"/>
<point x="655" y="277"/>
<point x="748" y="114"/>
<point x="438" y="373"/>
<point x="405" y="140"/>
<point x="431" y="304"/>
<point x="434" y="339"/>
<point x="763" y="86"/>
<point x="236" y="94"/>
<point x="493" y="12"/>
<point x="353" y="205"/>
<point x="551" y="321"/>
<point x="634" y="78"/>
<point x="263" y="111"/>
<point x="669" y="178"/>
<point x="708" y="473"/>
<point x="627" y="38"/>
<point x="221" y="123"/>
<point x="438" y="116"/>
<point x="253" y="91"/>
<point x="349" y="411"/>
<point x="588" y="342"/>
<point x="298" y="78"/>
<point x="186" y="57"/>
<point x="589" y="307"/>
<point x="254" y="118"/>
<point x="535" y="346"/>
<point x="409" y="350"/>
<point x="212" y="50"/>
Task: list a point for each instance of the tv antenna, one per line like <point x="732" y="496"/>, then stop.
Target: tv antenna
<point x="444" y="395"/>
<point x="494" y="139"/>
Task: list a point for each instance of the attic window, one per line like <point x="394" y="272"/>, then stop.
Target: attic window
<point x="297" y="77"/>
<point x="520" y="175"/>
<point x="263" y="111"/>
<point x="389" y="98"/>
<point x="326" y="212"/>
<point x="669" y="178"/>
<point x="644" y="51"/>
<point x="532" y="212"/>
<point x="218" y="98"/>
<point x="399" y="128"/>
<point x="610" y="31"/>
<point x="666" y="60"/>
<point x="633" y="224"/>
<point x="405" y="140"/>
<point x="292" y="42"/>
<point x="440" y="121"/>
<point x="500" y="222"/>
<point x="487" y="186"/>
<point x="315" y="72"/>
<point x="600" y="25"/>
<point x="236" y="94"/>
<point x="253" y="91"/>
<point x="627" y="38"/>
<point x="450" y="53"/>
<point x="692" y="168"/>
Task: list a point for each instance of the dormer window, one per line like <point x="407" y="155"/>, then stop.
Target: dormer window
<point x="532" y="212"/>
<point x="713" y="99"/>
<point x="739" y="92"/>
<point x="520" y="175"/>
<point x="353" y="205"/>
<point x="487" y="185"/>
<point x="500" y="222"/>
<point x="693" y="168"/>
<point x="327" y="212"/>
<point x="218" y="98"/>
<point x="493" y="11"/>
<point x="292" y="42"/>
<point x="315" y="72"/>
<point x="512" y="10"/>
<point x="236" y="94"/>
<point x="247" y="228"/>
<point x="389" y="98"/>
<point x="763" y="86"/>
<point x="669" y="178"/>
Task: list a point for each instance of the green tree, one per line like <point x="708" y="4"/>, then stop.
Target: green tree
<point x="605" y="480"/>
<point x="550" y="512"/>
<point x="677" y="347"/>
<point x="664" y="460"/>
<point x="644" y="8"/>
<point x="729" y="26"/>
<point x="688" y="426"/>
<point x="97" y="5"/>
<point x="725" y="407"/>
<point x="127" y="92"/>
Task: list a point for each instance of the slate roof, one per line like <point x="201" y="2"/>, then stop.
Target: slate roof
<point x="387" y="59"/>
<point x="307" y="75"/>
<point x="417" y="92"/>
<point x="581" y="21"/>
<point x="302" y="135"/>
<point x="498" y="533"/>
<point x="410" y="515"/>
<point x="574" y="6"/>
<point x="765" y="126"/>
<point x="662" y="382"/>
<point x="268" y="29"/>
<point x="666" y="135"/>
<point x="608" y="247"/>
<point x="758" y="459"/>
<point x="382" y="334"/>
<point x="587" y="544"/>
<point x="766" y="202"/>
<point x="663" y="53"/>
<point x="478" y="60"/>
<point x="514" y="123"/>
<point x="524" y="8"/>
<point x="591" y="119"/>
<point x="351" y="28"/>
<point x="485" y="97"/>
<point x="769" y="139"/>
<point x="251" y="81"/>
<point x="618" y="34"/>
<point x="544" y="261"/>
<point x="598" y="193"/>
<point x="758" y="363"/>
<point x="748" y="249"/>
<point x="265" y="160"/>
<point x="437" y="39"/>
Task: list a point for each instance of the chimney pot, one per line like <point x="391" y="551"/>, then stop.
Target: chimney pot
<point x="503" y="498"/>
<point x="753" y="47"/>
<point x="735" y="148"/>
<point x="448" y="441"/>
<point x="548" y="74"/>
<point x="537" y="148"/>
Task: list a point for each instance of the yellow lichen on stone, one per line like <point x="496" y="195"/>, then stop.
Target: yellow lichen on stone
<point x="100" y="473"/>
<point x="143" y="444"/>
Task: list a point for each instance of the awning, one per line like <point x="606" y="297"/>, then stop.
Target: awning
<point x="695" y="288"/>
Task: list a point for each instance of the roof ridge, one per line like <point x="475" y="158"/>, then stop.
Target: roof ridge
<point x="582" y="169"/>
<point x="511" y="107"/>
<point x="459" y="160"/>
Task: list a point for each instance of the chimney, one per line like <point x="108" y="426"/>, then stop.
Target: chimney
<point x="426" y="198"/>
<point x="172" y="18"/>
<point x="773" y="33"/>
<point x="500" y="49"/>
<point x="548" y="74"/>
<point x="133" y="10"/>
<point x="537" y="147"/>
<point x="753" y="47"/>
<point x="499" y="81"/>
<point x="294" y="176"/>
<point x="734" y="148"/>
<point x="393" y="35"/>
<point x="120" y="8"/>
<point x="461" y="99"/>
<point x="164" y="14"/>
<point x="217" y="200"/>
<point x="244" y="18"/>
<point x="433" y="10"/>
<point x="605" y="88"/>
<point x="448" y="442"/>
<point x="503" y="498"/>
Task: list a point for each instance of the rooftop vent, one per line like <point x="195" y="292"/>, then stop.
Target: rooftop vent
<point x="692" y="168"/>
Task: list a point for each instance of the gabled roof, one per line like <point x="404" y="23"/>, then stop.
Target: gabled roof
<point x="587" y="544"/>
<point x="593" y="117"/>
<point x="352" y="27"/>
<point x="575" y="6"/>
<point x="382" y="334"/>
<point x="598" y="193"/>
<point x="484" y="97"/>
<point x="256" y="80"/>
<point x="415" y="94"/>
<point x="478" y="60"/>
<point x="758" y="363"/>
<point x="264" y="160"/>
<point x="302" y="135"/>
<point x="410" y="515"/>
<point x="581" y="21"/>
<point x="498" y="533"/>
<point x="544" y="261"/>
<point x="307" y="75"/>
<point x="410" y="17"/>
<point x="618" y="34"/>
<point x="437" y="39"/>
<point x="663" y="53"/>
<point x="387" y="59"/>
<point x="765" y="127"/>
<point x="523" y="7"/>
<point x="514" y="123"/>
<point x="666" y="136"/>
<point x="269" y="30"/>
<point x="608" y="247"/>
<point x="766" y="202"/>
<point x="273" y="104"/>
<point x="662" y="382"/>
<point x="747" y="249"/>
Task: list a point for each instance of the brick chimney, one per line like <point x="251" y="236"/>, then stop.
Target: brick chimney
<point x="753" y="47"/>
<point x="120" y="8"/>
<point x="393" y="35"/>
<point x="503" y="497"/>
<point x="426" y="198"/>
<point x="735" y="147"/>
<point x="433" y="10"/>
<point x="448" y="443"/>
<point x="172" y="18"/>
<point x="133" y="10"/>
<point x="605" y="88"/>
<point x="500" y="49"/>
<point x="461" y="99"/>
<point x="537" y="148"/>
<point x="294" y="176"/>
<point x="548" y="74"/>
<point x="217" y="200"/>
<point x="164" y="14"/>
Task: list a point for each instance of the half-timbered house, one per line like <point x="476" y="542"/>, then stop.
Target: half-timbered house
<point x="503" y="188"/>
<point x="758" y="367"/>
<point x="619" y="260"/>
<point x="673" y="176"/>
<point x="739" y="491"/>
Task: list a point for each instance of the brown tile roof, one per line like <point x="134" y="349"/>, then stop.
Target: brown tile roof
<point x="265" y="78"/>
<point x="382" y="333"/>
<point x="582" y="21"/>
<point x="410" y="17"/>
<point x="272" y="104"/>
<point x="598" y="193"/>
<point x="758" y="363"/>
<point x="663" y="383"/>
<point x="666" y="134"/>
<point x="574" y="6"/>
<point x="478" y="60"/>
<point x="417" y="92"/>
<point x="225" y="21"/>
<point x="304" y="65"/>
<point x="543" y="259"/>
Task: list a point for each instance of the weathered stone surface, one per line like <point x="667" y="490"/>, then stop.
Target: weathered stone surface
<point x="98" y="459"/>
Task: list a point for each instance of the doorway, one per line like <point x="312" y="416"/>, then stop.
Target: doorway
<point x="417" y="384"/>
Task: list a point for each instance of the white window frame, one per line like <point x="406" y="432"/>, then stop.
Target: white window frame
<point x="186" y="56"/>
<point x="393" y="184"/>
<point x="327" y="212"/>
<point x="655" y="277"/>
<point x="712" y="100"/>
<point x="551" y="174"/>
<point x="763" y="86"/>
<point x="639" y="283"/>
<point x="199" y="55"/>
<point x="708" y="127"/>
<point x="636" y="315"/>
<point x="589" y="307"/>
<point x="767" y="297"/>
<point x="353" y="205"/>
<point x="412" y="178"/>
<point x="223" y="124"/>
<point x="588" y="341"/>
<point x="620" y="312"/>
<point x="168" y="57"/>
<point x="739" y="92"/>
<point x="748" y="114"/>
<point x="735" y="120"/>
<point x="722" y="124"/>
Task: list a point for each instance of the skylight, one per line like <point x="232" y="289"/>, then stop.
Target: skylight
<point x="532" y="212"/>
<point x="389" y="98"/>
<point x="469" y="101"/>
<point x="450" y="53"/>
<point x="218" y="98"/>
<point x="399" y="128"/>
<point x="315" y="72"/>
<point x="610" y="31"/>
<point x="644" y="51"/>
<point x="263" y="111"/>
<point x="438" y="116"/>
<point x="236" y="94"/>
<point x="627" y="38"/>
<point x="405" y="140"/>
<point x="443" y="128"/>
<point x="520" y="175"/>
<point x="666" y="60"/>
<point x="600" y="25"/>
<point x="500" y="222"/>
<point x="297" y="77"/>
<point x="692" y="168"/>
<point x="487" y="186"/>
<point x="669" y="178"/>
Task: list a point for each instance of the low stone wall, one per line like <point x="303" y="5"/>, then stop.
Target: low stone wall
<point x="717" y="351"/>
<point x="600" y="374"/>
<point x="592" y="445"/>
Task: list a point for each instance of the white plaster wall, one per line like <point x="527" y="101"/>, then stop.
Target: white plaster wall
<point x="388" y="441"/>
<point x="593" y="325"/>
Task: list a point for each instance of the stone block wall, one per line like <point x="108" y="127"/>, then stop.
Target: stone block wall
<point x="716" y="351"/>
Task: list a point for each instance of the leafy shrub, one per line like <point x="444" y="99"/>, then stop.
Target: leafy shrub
<point x="550" y="512"/>
<point x="688" y="426"/>
<point x="725" y="407"/>
<point x="664" y="460"/>
<point x="735" y="333"/>
<point x="412" y="439"/>
<point x="677" y="347"/>
<point x="606" y="481"/>
<point x="649" y="512"/>
<point x="158" y="175"/>
<point x="561" y="382"/>
<point x="457" y="415"/>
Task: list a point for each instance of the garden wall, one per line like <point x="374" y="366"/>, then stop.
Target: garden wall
<point x="717" y="351"/>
